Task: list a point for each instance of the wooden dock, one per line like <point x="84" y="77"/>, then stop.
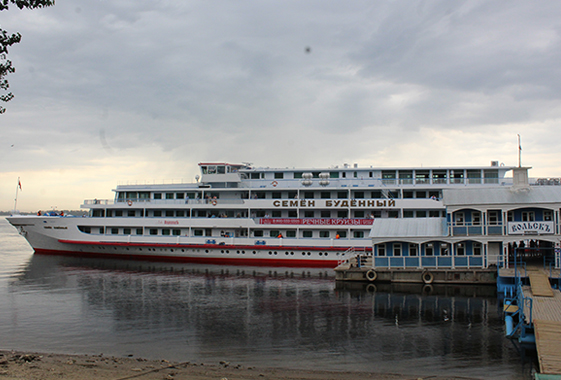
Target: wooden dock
<point x="546" y="318"/>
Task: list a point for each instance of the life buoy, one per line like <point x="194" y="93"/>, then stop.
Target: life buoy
<point x="427" y="277"/>
<point x="129" y="202"/>
<point x="274" y="183"/>
<point x="214" y="202"/>
<point x="371" y="275"/>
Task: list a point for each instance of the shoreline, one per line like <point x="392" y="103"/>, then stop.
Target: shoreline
<point x="17" y="365"/>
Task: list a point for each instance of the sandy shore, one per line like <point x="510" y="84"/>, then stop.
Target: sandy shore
<point x="20" y="365"/>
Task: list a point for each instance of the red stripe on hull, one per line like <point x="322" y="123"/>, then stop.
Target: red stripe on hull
<point x="302" y="263"/>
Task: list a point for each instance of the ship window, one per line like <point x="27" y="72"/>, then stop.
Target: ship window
<point x="491" y="176"/>
<point x="359" y="195"/>
<point x="324" y="234"/>
<point x="326" y="214"/>
<point x="131" y="213"/>
<point x="139" y="231"/>
<point x="176" y="232"/>
<point x="344" y="174"/>
<point x="165" y="231"/>
<point x="308" y="214"/>
<point x="276" y="195"/>
<point x="342" y="213"/>
<point x="118" y="212"/>
<point x="291" y="234"/>
<point x="477" y="249"/>
<point x="308" y="195"/>
<point x="397" y="249"/>
<point x="444" y="249"/>
<point x="198" y="232"/>
<point x="144" y="195"/>
<point x="114" y="231"/>
<point x="169" y="212"/>
<point x="407" y="194"/>
<point x="274" y="233"/>
<point x="547" y="216"/>
<point x="255" y="176"/>
<point x="421" y="176"/>
<point x="429" y="250"/>
<point x="412" y="249"/>
<point x="292" y="214"/>
<point x="434" y="214"/>
<point x="420" y="194"/>
<point x="393" y="214"/>
<point x="460" y="250"/>
<point x="279" y="175"/>
<point x="298" y="175"/>
<point x="334" y="175"/>
<point x="180" y="213"/>
<point x="528" y="216"/>
<point x="307" y="234"/>
<point x="292" y="194"/>
<point x="153" y="231"/>
<point x="157" y="213"/>
<point x="476" y="218"/>
<point x="359" y="214"/>
<point x="510" y="216"/>
<point x="325" y="195"/>
<point x="493" y="217"/>
<point x="157" y="195"/>
<point x="258" y="233"/>
<point x="169" y="195"/>
<point x="381" y="250"/>
<point x="84" y="229"/>
<point x="459" y="218"/>
<point x="421" y="214"/>
<point x="358" y="234"/>
<point x="180" y="195"/>
<point x="376" y="194"/>
<point x="276" y="214"/>
<point x="221" y="169"/>
<point x="407" y="213"/>
<point x="120" y="196"/>
<point x="126" y="231"/>
<point x="101" y="230"/>
<point x="341" y="195"/>
<point x="342" y="234"/>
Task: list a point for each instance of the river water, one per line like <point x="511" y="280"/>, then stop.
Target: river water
<point x="253" y="316"/>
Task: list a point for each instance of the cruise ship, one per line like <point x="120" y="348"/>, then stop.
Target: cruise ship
<point x="241" y="214"/>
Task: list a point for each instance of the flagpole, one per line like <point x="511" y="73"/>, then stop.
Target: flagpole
<point x="519" y="153"/>
<point x="16" y="200"/>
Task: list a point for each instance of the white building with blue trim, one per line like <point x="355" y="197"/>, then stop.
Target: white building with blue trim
<point x="482" y="226"/>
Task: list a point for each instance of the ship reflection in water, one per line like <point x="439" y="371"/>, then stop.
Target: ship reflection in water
<point x="279" y="317"/>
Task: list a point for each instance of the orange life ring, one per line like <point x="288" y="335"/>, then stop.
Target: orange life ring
<point x="129" y="202"/>
<point x="274" y="183"/>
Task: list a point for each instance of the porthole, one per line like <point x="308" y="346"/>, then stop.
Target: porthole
<point x="292" y="253"/>
<point x="275" y="252"/>
<point x="321" y="253"/>
<point x="206" y="250"/>
<point x="227" y="251"/>
<point x="222" y="251"/>
<point x="254" y="252"/>
<point x="303" y="253"/>
<point x="309" y="253"/>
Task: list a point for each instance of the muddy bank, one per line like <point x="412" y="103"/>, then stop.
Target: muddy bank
<point x="21" y="365"/>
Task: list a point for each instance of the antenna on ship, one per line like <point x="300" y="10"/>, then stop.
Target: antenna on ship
<point x="18" y="187"/>
<point x="519" y="152"/>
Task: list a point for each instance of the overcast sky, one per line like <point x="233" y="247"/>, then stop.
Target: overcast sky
<point x="110" y="92"/>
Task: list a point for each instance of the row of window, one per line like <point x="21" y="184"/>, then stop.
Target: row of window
<point x="376" y="194"/>
<point x="358" y="214"/>
<point x="493" y="217"/>
<point x="420" y="176"/>
<point x="443" y="249"/>
<point x="199" y="232"/>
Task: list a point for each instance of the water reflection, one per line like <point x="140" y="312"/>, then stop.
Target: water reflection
<point x="267" y="316"/>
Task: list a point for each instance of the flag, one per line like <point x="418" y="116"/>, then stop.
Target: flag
<point x="19" y="184"/>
